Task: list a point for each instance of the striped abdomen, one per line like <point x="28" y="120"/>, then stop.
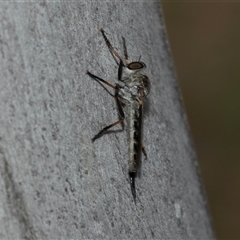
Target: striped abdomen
<point x="135" y="136"/>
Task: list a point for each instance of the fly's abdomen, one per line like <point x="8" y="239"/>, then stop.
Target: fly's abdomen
<point x="135" y="125"/>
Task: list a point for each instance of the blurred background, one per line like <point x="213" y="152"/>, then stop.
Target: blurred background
<point x="205" y="43"/>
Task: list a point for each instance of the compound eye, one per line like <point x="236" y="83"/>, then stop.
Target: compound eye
<point x="136" y="65"/>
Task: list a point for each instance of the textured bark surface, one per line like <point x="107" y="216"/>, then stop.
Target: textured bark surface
<point x="56" y="184"/>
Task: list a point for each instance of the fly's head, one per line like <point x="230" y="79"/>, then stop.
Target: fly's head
<point x="134" y="84"/>
<point x="140" y="82"/>
<point x="134" y="67"/>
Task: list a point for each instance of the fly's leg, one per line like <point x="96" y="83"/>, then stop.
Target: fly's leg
<point x="125" y="51"/>
<point x="100" y="79"/>
<point x="144" y="151"/>
<point x="121" y="115"/>
<point x="118" y="104"/>
<point x="105" y="129"/>
<point x="112" y="50"/>
<point x="110" y="47"/>
<point x="115" y="54"/>
<point x="120" y="69"/>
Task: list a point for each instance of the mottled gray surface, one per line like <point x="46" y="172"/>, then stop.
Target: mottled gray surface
<point x="56" y="184"/>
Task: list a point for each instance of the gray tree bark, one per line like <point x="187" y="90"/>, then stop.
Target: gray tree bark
<point x="56" y="184"/>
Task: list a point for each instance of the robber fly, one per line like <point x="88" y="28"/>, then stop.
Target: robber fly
<point x="130" y="92"/>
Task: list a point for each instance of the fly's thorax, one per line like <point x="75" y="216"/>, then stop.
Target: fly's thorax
<point x="134" y="86"/>
<point x="124" y="92"/>
<point x="142" y="82"/>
